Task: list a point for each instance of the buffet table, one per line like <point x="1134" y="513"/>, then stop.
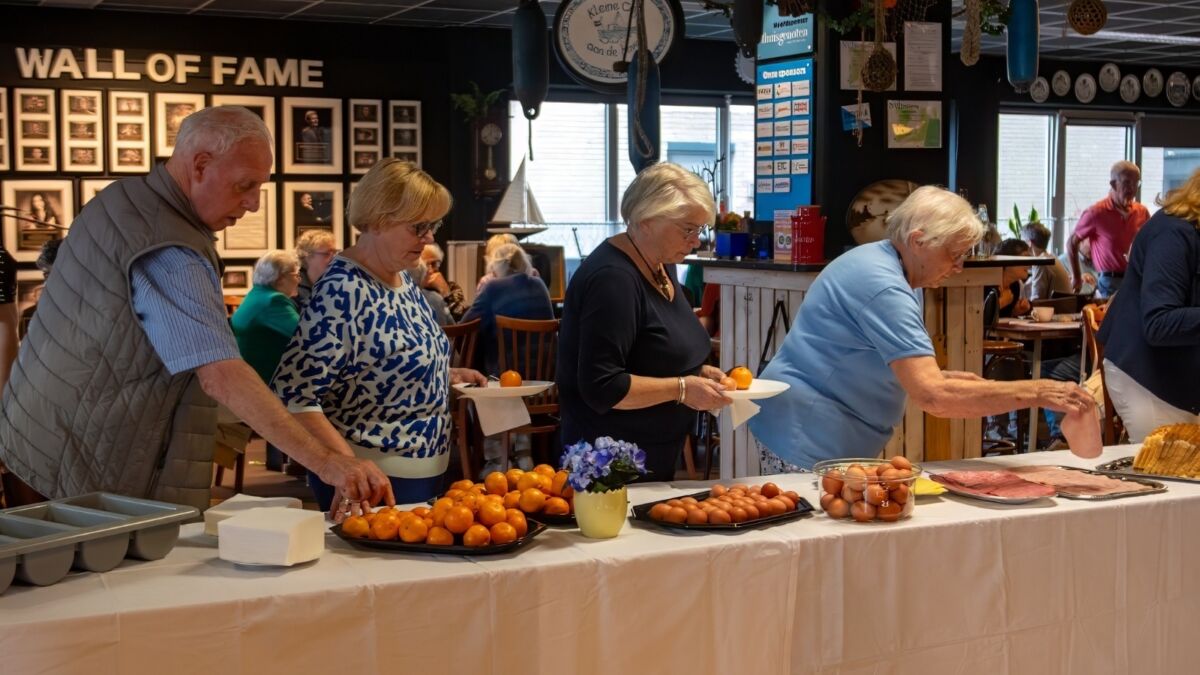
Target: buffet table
<point x="1056" y="586"/>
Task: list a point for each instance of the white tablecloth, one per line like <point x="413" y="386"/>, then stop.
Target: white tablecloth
<point x="961" y="587"/>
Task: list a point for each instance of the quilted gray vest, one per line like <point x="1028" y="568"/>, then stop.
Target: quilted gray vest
<point x="89" y="405"/>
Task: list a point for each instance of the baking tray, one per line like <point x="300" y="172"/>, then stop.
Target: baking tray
<point x="642" y="512"/>
<point x="1155" y="486"/>
<point x="971" y="494"/>
<point x="1124" y="467"/>
<point x="535" y="528"/>
<point x="40" y="543"/>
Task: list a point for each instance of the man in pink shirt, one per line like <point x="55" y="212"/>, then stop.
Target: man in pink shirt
<point x="1110" y="225"/>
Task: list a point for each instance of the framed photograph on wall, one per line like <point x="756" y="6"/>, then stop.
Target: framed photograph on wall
<point x="312" y="206"/>
<point x="3" y="129"/>
<point x="404" y="130"/>
<point x="366" y="138"/>
<point x="30" y="284"/>
<point x="263" y="106"/>
<point x="33" y="124"/>
<point x="90" y="187"/>
<point x="82" y="122"/>
<point x="128" y="132"/>
<point x="170" y="109"/>
<point x="237" y="279"/>
<point x="254" y="233"/>
<point x="44" y="211"/>
<point x="312" y="135"/>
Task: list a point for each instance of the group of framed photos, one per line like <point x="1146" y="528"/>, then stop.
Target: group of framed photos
<point x="65" y="131"/>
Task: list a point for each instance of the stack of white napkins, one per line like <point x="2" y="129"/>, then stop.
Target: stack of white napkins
<point x="240" y="504"/>
<point x="272" y="536"/>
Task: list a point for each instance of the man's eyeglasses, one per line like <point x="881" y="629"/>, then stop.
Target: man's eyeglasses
<point x="421" y="229"/>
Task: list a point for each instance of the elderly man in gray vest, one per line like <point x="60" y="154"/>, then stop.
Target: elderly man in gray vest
<point x="113" y="388"/>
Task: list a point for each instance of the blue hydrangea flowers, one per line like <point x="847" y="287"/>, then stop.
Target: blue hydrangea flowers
<point x="607" y="465"/>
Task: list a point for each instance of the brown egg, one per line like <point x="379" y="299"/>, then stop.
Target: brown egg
<point x="755" y="489"/>
<point x="825" y="499"/>
<point x="838" y="508"/>
<point x="724" y="506"/>
<point x="890" y="511"/>
<point x="738" y="514"/>
<point x="850" y="494"/>
<point x="770" y="490"/>
<point x="720" y="518"/>
<point x="856" y="478"/>
<point x="901" y="462"/>
<point x="905" y="474"/>
<point x="792" y="495"/>
<point x="677" y="514"/>
<point x="674" y="503"/>
<point x="740" y="486"/>
<point x="875" y="494"/>
<point x="779" y="505"/>
<point x="689" y="500"/>
<point x="752" y="512"/>
<point x="900" y="493"/>
<point x="890" y="476"/>
<point x="697" y="517"/>
<point x="659" y="511"/>
<point x="718" y="490"/>
<point x="787" y="501"/>
<point x="737" y="492"/>
<point x="862" y="511"/>
<point x="832" y="482"/>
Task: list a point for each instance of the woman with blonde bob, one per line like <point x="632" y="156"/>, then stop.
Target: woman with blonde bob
<point x="631" y="351"/>
<point x="858" y="347"/>
<point x="369" y="363"/>
<point x="1151" y="333"/>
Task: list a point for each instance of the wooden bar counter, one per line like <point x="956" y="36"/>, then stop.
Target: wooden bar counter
<point x="953" y="316"/>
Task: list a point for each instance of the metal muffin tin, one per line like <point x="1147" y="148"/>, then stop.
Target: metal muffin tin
<point x="40" y="543"/>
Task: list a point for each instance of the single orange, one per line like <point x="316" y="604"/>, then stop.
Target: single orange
<point x="496" y="483"/>
<point x="370" y="516"/>
<point x="510" y="378"/>
<point x="439" y="536"/>
<point x="532" y="500"/>
<point x="528" y="480"/>
<point x="463" y="485"/>
<point x="503" y="533"/>
<point x="491" y="513"/>
<point x="544" y="469"/>
<point x="513" y="475"/>
<point x="471" y="501"/>
<point x="458" y="519"/>
<point x="512" y="499"/>
<point x="545" y="482"/>
<point x="517" y="520"/>
<point x="742" y="376"/>
<point x="385" y="526"/>
<point x="559" y="482"/>
<point x="454" y="494"/>
<point x="421" y="511"/>
<point x="556" y="506"/>
<point x="357" y="527"/>
<point x="478" y="489"/>
<point x="413" y="530"/>
<point x="477" y="536"/>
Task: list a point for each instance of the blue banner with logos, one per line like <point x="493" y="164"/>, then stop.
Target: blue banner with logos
<point x="785" y="35"/>
<point x="782" y="137"/>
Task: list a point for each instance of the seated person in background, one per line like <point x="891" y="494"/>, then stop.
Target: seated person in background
<point x="450" y="292"/>
<point x="1006" y="301"/>
<point x="1151" y="334"/>
<point x="1044" y="279"/>
<point x="265" y="321"/>
<point x="494" y="242"/>
<point x="315" y="250"/>
<point x="419" y="274"/>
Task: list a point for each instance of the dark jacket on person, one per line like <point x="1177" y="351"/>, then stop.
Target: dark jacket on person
<point x="1152" y="329"/>
<point x="519" y="296"/>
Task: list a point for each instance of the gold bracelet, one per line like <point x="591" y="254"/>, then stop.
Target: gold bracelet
<point x="682" y="390"/>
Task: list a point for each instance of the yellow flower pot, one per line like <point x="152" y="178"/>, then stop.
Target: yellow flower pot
<point x="601" y="515"/>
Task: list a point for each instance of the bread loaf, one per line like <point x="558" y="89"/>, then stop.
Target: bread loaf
<point x="1172" y="450"/>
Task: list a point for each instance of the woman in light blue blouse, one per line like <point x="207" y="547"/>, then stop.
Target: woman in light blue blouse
<point x="368" y="369"/>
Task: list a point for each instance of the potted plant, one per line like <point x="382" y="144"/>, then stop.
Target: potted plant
<point x="599" y="474"/>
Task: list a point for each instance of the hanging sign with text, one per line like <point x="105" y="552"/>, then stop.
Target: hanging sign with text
<point x="113" y="64"/>
<point x="782" y="137"/>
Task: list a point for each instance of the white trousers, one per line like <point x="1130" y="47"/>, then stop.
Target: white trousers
<point x="1140" y="410"/>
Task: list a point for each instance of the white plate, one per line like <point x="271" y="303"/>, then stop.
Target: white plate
<point x="1179" y="89"/>
<point x="1061" y="83"/>
<point x="1152" y="82"/>
<point x="528" y="388"/>
<point x="1085" y="88"/>
<point x="1039" y="91"/>
<point x="760" y="389"/>
<point x="1131" y="88"/>
<point x="1110" y="77"/>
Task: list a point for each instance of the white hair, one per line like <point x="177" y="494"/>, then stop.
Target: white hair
<point x="1121" y="167"/>
<point x="496" y="241"/>
<point x="418" y="272"/>
<point x="273" y="265"/>
<point x="218" y="129"/>
<point x="939" y="214"/>
<point x="508" y="260"/>
<point x="436" y="251"/>
<point x="666" y="190"/>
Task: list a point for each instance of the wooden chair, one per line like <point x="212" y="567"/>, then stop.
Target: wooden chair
<point x="531" y="348"/>
<point x="1111" y="428"/>
<point x="232" y="302"/>
<point x="463" y="339"/>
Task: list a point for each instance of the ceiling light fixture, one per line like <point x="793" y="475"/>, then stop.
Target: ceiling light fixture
<point x="1143" y="37"/>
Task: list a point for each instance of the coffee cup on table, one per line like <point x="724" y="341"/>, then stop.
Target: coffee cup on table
<point x="1042" y="314"/>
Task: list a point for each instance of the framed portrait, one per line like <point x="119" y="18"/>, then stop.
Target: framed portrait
<point x="4" y="129"/>
<point x="82" y="121"/>
<point x="263" y="106"/>
<point x="404" y="130"/>
<point x="312" y="206"/>
<point x="170" y="109"/>
<point x="366" y="138"/>
<point x="312" y="135"/>
<point x="128" y="132"/>
<point x="44" y="210"/>
<point x="254" y="233"/>
<point x="34" y="126"/>
<point x="29" y="290"/>
<point x="90" y="187"/>
<point x="237" y="279"/>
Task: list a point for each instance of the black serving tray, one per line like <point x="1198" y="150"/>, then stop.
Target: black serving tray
<point x="535" y="528"/>
<point x="642" y="512"/>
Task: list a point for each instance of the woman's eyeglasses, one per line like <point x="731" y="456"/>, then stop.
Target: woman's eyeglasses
<point x="421" y="229"/>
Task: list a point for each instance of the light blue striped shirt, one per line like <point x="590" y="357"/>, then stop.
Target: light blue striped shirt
<point x="177" y="297"/>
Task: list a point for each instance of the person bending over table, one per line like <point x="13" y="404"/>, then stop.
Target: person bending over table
<point x="858" y="346"/>
<point x="631" y="351"/>
<point x="369" y="366"/>
<point x="1151" y="333"/>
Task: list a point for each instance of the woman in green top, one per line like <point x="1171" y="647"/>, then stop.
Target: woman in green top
<point x="265" y="321"/>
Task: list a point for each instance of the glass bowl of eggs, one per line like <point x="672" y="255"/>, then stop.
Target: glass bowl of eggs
<point x="867" y="490"/>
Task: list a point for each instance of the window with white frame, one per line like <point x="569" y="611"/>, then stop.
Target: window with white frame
<point x="1024" y="158"/>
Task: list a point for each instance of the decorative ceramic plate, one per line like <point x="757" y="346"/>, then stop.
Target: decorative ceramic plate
<point x="1039" y="91"/>
<point x="1131" y="88"/>
<point x="865" y="217"/>
<point x="1179" y="89"/>
<point x="760" y="389"/>
<point x="1085" y="88"/>
<point x="1061" y="83"/>
<point x="1110" y="77"/>
<point x="1152" y="82"/>
<point x="494" y="390"/>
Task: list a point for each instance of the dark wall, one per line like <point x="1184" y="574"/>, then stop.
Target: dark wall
<point x="360" y="62"/>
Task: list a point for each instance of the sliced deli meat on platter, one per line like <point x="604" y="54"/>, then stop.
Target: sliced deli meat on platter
<point x="993" y="485"/>
<point x="1071" y="482"/>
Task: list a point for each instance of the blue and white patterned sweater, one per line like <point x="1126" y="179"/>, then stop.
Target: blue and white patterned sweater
<point x="374" y="360"/>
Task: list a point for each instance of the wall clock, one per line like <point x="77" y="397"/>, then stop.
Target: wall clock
<point x="589" y="38"/>
<point x="489" y="154"/>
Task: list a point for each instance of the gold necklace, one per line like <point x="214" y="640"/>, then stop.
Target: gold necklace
<point x="660" y="276"/>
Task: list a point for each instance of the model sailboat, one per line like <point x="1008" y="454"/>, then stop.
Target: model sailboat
<point x="518" y="212"/>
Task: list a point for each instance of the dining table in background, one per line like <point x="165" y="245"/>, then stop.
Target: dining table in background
<point x="1028" y="330"/>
